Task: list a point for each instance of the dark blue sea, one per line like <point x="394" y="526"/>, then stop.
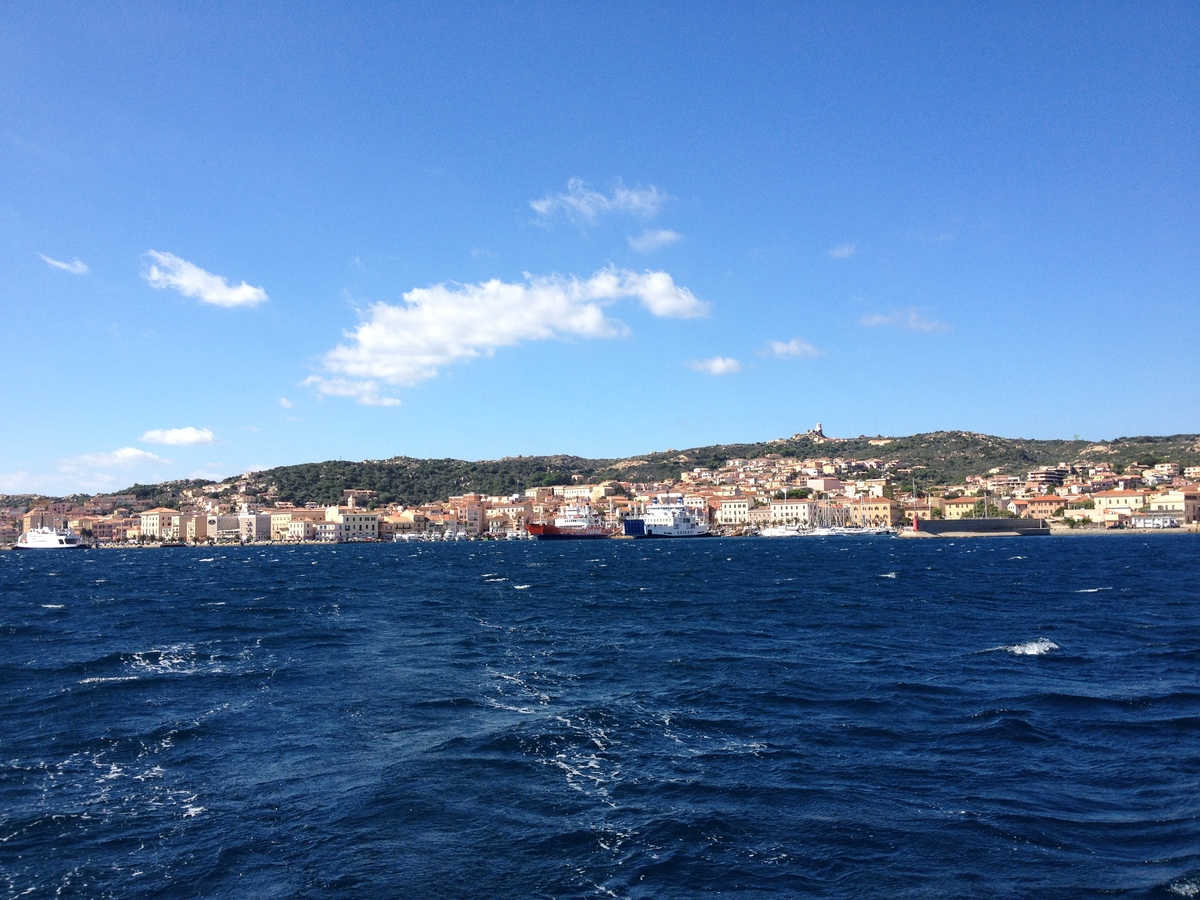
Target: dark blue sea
<point x="841" y="717"/>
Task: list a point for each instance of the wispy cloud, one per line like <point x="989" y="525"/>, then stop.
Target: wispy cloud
<point x="904" y="318"/>
<point x="795" y="348"/>
<point x="652" y="239"/>
<point x="583" y="205"/>
<point x="286" y="403"/>
<point x="103" y="471"/>
<point x="88" y="472"/>
<point x="179" y="437"/>
<point x="19" y="483"/>
<point x="844" y="251"/>
<point x="717" y="365"/>
<point x="125" y="456"/>
<point x="169" y="271"/>
<point x="404" y="345"/>
<point x="75" y="267"/>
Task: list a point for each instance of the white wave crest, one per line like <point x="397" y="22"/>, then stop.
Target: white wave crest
<point x="1040" y="647"/>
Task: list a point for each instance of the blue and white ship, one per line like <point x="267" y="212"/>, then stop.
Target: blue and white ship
<point x="667" y="516"/>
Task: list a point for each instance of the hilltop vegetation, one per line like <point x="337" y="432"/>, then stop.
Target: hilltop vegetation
<point x="411" y="481"/>
<point x="938" y="458"/>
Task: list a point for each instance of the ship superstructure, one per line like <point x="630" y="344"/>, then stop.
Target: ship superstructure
<point x="668" y="516"/>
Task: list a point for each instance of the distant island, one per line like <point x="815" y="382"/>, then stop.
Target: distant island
<point x="945" y="473"/>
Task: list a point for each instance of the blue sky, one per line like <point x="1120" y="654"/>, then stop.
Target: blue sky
<point x="235" y="236"/>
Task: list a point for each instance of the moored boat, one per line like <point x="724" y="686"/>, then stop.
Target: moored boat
<point x="573" y="523"/>
<point x="667" y="516"/>
<point x="46" y="538"/>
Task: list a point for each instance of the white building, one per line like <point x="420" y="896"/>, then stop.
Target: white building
<point x="161" y="524"/>
<point x="223" y="529"/>
<point x="733" y="511"/>
<point x="793" y="512"/>
<point x="357" y="524"/>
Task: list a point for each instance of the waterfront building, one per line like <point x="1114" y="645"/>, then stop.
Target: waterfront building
<point x="792" y="512"/>
<point x="470" y="511"/>
<point x="160" y="524"/>
<point x="254" y="526"/>
<point x="960" y="507"/>
<point x="327" y="532"/>
<point x="300" y="530"/>
<point x="733" y="510"/>
<point x="222" y="529"/>
<point x="1119" y="503"/>
<point x="1043" y="507"/>
<point x="874" y="512"/>
<point x="193" y="527"/>
<point x="1183" y="503"/>
<point x="357" y="524"/>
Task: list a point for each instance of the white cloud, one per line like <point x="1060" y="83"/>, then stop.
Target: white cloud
<point x="796" y="348"/>
<point x="904" y="318"/>
<point x="365" y="391"/>
<point x="169" y="271"/>
<point x="75" y="267"/>
<point x="122" y="458"/>
<point x="19" y="483"/>
<point x="651" y="239"/>
<point x="404" y="345"/>
<point x="87" y="473"/>
<point x="583" y="205"/>
<point x="718" y="365"/>
<point x="179" y="437"/>
<point x="658" y="292"/>
<point x="286" y="403"/>
<point x="93" y="471"/>
<point x="845" y="251"/>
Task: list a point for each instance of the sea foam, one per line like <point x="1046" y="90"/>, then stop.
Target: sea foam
<point x="1040" y="647"/>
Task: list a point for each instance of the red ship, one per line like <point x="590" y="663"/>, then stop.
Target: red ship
<point x="574" y="523"/>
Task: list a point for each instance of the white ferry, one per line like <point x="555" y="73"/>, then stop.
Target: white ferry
<point x="46" y="538"/>
<point x="667" y="516"/>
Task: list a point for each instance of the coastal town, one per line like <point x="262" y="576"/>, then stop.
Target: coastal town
<point x="740" y="497"/>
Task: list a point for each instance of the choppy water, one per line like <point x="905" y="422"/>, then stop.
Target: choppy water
<point x="808" y="717"/>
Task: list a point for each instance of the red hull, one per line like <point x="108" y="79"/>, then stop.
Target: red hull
<point x="546" y="532"/>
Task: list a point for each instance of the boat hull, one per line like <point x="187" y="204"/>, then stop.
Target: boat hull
<point x="640" y="529"/>
<point x="545" y="532"/>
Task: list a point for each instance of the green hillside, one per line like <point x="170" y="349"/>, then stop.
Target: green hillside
<point x="936" y="458"/>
